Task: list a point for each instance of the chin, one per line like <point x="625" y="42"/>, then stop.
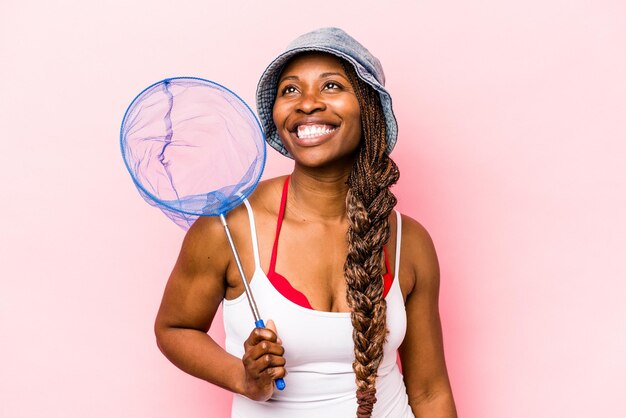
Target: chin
<point x="320" y="160"/>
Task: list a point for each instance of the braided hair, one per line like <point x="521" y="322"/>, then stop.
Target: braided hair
<point x="368" y="203"/>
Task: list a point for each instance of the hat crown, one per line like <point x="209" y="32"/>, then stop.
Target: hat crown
<point x="337" y="40"/>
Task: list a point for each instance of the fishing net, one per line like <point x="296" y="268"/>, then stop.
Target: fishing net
<point x="192" y="147"/>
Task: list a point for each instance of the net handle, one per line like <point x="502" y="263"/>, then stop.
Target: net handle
<point x="258" y="322"/>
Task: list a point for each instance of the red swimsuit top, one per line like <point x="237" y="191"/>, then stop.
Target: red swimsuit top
<point x="282" y="284"/>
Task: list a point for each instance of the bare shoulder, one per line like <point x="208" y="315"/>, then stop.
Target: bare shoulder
<point x="263" y="200"/>
<point x="203" y="247"/>
<point x="264" y="197"/>
<point x="418" y="254"/>
<point x="415" y="237"/>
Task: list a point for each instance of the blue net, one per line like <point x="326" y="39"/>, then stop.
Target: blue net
<point x="192" y="147"/>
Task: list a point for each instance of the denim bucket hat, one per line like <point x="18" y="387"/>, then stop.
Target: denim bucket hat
<point x="336" y="42"/>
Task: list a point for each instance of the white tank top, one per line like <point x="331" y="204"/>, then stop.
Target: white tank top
<point x="319" y="352"/>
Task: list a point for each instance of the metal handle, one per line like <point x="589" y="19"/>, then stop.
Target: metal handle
<point x="258" y="322"/>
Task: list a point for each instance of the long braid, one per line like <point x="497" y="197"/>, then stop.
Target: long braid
<point x="369" y="203"/>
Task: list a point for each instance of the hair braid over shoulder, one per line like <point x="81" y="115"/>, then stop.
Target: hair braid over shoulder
<point x="369" y="203"/>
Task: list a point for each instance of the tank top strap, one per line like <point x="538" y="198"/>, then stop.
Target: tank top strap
<point x="398" y="244"/>
<point x="255" y="243"/>
<point x="279" y="224"/>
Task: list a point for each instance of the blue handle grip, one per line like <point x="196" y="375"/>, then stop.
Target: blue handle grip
<point x="280" y="383"/>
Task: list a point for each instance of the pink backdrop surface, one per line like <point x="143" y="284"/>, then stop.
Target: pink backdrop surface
<point x="511" y="149"/>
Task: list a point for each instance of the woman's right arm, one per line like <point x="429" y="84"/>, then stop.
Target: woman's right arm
<point x="192" y="296"/>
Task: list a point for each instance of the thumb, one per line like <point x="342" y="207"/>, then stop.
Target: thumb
<point x="271" y="325"/>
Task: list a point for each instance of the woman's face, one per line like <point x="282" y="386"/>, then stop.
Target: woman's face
<point x="316" y="111"/>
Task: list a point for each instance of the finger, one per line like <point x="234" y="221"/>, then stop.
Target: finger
<point x="264" y="365"/>
<point x="260" y="334"/>
<point x="267" y="378"/>
<point x="268" y="364"/>
<point x="255" y="352"/>
<point x="276" y="372"/>
<point x="271" y="325"/>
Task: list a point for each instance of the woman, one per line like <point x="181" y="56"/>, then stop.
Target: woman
<point x="347" y="281"/>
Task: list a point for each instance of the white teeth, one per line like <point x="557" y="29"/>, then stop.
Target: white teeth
<point x="312" y="131"/>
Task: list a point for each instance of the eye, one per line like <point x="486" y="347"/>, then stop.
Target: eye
<point x="332" y="85"/>
<point x="288" y="90"/>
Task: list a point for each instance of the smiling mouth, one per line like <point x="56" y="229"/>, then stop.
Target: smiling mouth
<point x="313" y="131"/>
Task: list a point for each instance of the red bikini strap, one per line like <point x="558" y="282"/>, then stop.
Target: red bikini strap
<point x="279" y="223"/>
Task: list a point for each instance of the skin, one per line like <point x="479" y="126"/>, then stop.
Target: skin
<point x="313" y="89"/>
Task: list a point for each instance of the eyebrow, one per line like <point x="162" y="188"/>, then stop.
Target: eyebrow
<point x="289" y="77"/>
<point x="323" y="75"/>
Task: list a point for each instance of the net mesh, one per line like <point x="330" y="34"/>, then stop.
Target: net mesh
<point x="192" y="147"/>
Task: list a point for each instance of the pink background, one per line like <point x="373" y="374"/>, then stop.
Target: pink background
<point x="512" y="148"/>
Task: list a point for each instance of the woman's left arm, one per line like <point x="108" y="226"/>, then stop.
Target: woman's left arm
<point x="423" y="361"/>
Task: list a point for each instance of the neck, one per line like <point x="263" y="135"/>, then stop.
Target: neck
<point x="315" y="196"/>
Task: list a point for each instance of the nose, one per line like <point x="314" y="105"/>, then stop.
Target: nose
<point x="310" y="102"/>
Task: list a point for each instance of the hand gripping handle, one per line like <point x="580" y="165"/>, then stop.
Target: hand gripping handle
<point x="280" y="383"/>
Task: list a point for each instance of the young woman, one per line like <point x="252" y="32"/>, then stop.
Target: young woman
<point x="347" y="282"/>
